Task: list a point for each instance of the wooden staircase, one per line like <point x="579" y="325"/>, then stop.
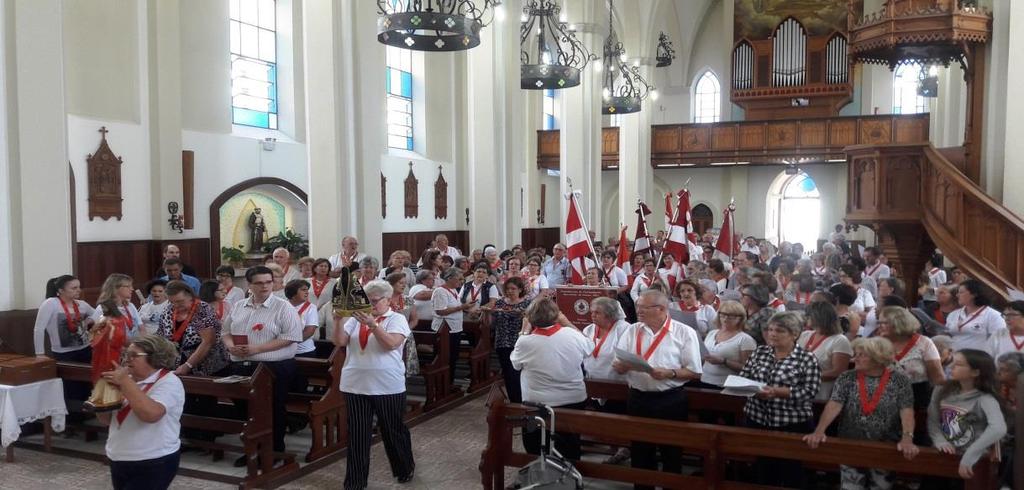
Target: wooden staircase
<point x="916" y="199"/>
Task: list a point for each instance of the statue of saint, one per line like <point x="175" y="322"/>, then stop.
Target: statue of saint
<point x="257" y="228"/>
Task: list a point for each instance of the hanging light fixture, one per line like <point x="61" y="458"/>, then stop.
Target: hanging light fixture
<point x="434" y="25"/>
<point x="624" y="89"/>
<point x="665" y="51"/>
<point x="550" y="54"/>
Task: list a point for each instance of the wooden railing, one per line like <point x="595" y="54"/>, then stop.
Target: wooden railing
<point x="915" y="199"/>
<point x="716" y="444"/>
<point x="756" y="142"/>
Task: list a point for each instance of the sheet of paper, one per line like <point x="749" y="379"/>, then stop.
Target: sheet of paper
<point x="634" y="361"/>
<point x="740" y="386"/>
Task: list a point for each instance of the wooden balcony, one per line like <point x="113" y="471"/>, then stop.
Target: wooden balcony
<point x="754" y="142"/>
<point x="918" y="30"/>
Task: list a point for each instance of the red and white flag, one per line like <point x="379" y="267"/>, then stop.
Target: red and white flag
<point x="642" y="240"/>
<point x="668" y="210"/>
<point x="677" y="243"/>
<point x="623" y="255"/>
<point x="726" y="246"/>
<point x="577" y="242"/>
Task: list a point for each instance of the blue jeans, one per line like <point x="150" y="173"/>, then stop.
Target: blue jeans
<point x="149" y="474"/>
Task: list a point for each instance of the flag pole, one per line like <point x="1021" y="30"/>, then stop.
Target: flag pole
<point x="668" y="233"/>
<point x="586" y="229"/>
<point x="732" y="222"/>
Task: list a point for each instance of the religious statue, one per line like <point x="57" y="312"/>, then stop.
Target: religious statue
<point x="110" y="336"/>
<point x="257" y="228"/>
<point x="348" y="296"/>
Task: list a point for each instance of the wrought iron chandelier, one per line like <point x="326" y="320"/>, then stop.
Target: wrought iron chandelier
<point x="434" y="25"/>
<point x="550" y="54"/>
<point x="624" y="88"/>
<point x="666" y="53"/>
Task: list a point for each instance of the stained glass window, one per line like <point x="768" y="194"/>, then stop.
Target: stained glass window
<point x="253" y="33"/>
<point x="904" y="83"/>
<point x="707" y="104"/>
<point x="398" y="85"/>
<point x="550" y="122"/>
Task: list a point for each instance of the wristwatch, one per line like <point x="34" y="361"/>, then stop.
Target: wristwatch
<point x="673" y="375"/>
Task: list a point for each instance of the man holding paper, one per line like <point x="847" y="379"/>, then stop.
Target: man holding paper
<point x="658" y="356"/>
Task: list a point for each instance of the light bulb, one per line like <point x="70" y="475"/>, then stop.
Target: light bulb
<point x="546" y="58"/>
<point x="623" y="57"/>
<point x="636" y="63"/>
<point x="598" y="66"/>
<point x="654" y="94"/>
<point x="606" y="94"/>
<point x="499" y="13"/>
<point x="563" y="17"/>
<point x="524" y="17"/>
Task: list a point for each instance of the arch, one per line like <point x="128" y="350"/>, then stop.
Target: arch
<point x="837" y="64"/>
<point x="234" y="190"/>
<point x="703" y="218"/>
<point x="744" y="66"/>
<point x="906" y="79"/>
<point x="793" y="210"/>
<point x="789" y="53"/>
<point x="706" y="97"/>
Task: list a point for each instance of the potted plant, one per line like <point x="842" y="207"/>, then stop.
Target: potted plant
<point x="295" y="243"/>
<point x="233" y="255"/>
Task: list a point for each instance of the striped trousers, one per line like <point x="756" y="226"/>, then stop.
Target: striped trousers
<point x="389" y="410"/>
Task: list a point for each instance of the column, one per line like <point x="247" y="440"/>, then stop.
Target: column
<point x="164" y="38"/>
<point x="581" y="120"/>
<point x="39" y="196"/>
<point x="345" y="124"/>
<point x="636" y="176"/>
<point x="496" y="133"/>
<point x="1013" y="123"/>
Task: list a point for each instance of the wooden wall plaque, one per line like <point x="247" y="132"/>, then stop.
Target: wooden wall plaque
<point x="440" y="196"/>
<point x="104" y="171"/>
<point x="383" y="196"/>
<point x="412" y="198"/>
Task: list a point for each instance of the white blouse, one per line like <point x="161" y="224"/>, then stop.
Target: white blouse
<point x="730" y="350"/>
<point x="135" y="440"/>
<point x="598" y="364"/>
<point x="424" y="308"/>
<point x="823" y="352"/>
<point x="974" y="331"/>
<point x="375" y="370"/>
<point x="442" y="299"/>
<point x="52" y="322"/>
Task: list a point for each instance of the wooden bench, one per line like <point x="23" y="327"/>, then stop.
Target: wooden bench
<point x="326" y="411"/>
<point x="439" y="388"/>
<point x="256" y="432"/>
<point x="717" y="445"/>
<point x="481" y="376"/>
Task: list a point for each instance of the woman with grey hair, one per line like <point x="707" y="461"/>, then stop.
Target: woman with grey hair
<point x="144" y="437"/>
<point x="368" y="268"/>
<point x="374" y="386"/>
<point x="609" y="323"/>
<point x="448" y="308"/>
<point x="876" y="403"/>
<point x="420" y="293"/>
<point x="791" y="376"/>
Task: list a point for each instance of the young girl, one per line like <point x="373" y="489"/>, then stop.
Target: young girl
<point x="965" y="415"/>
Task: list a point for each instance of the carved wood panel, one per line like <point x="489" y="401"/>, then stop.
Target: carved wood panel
<point x="695" y="139"/>
<point x="104" y="171"/>
<point x="548" y="149"/>
<point x="843" y="133"/>
<point x="812" y="133"/>
<point x="875" y="132"/>
<point x="188" y="187"/>
<point x="911" y="130"/>
<point x="440" y="196"/>
<point x="781" y="135"/>
<point x="752" y="137"/>
<point x="412" y="197"/>
<point x="903" y="189"/>
<point x="383" y="196"/>
<point x="665" y="139"/>
<point x="609" y="141"/>
<point x="723" y="137"/>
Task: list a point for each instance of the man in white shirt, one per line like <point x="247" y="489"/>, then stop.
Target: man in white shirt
<point x="264" y="329"/>
<point x="441" y="242"/>
<point x="283" y="259"/>
<point x="875" y="269"/>
<point x="750" y="245"/>
<point x="672" y="349"/>
<point x="556" y="269"/>
<point x="347" y="257"/>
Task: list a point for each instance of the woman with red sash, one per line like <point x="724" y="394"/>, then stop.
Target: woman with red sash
<point x="916" y="355"/>
<point x="876" y="404"/>
<point x="143" y="443"/>
<point x="117" y="320"/>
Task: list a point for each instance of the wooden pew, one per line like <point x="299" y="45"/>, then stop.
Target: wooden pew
<point x="256" y="432"/>
<point x="716" y="444"/>
<point x="326" y="412"/>
<point x="481" y="375"/>
<point x="440" y="390"/>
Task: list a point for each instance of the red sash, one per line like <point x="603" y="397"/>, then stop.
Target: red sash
<point x="868" y="406"/>
<point x="906" y="348"/>
<point x="179" y="331"/>
<point x="398" y="305"/>
<point x="812" y="345"/>
<point x="364" y="333"/>
<point x="598" y="342"/>
<point x="474" y="293"/>
<point x="220" y="310"/>
<point x="647" y="282"/>
<point x="319" y="288"/>
<point x="682" y="306"/>
<point x="971" y="319"/>
<point x="72" y="325"/>
<point x="657" y="339"/>
<point x="547" y="331"/>
<point x="125" y="410"/>
<point x="806" y="300"/>
<point x="1016" y="346"/>
<point x="305" y="306"/>
<point x="776" y="303"/>
<point x="456" y="296"/>
<point x="874" y="269"/>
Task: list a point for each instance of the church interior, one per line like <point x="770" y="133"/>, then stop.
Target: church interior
<point x="710" y="171"/>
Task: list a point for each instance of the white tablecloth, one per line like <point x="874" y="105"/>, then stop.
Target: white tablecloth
<point x="29" y="403"/>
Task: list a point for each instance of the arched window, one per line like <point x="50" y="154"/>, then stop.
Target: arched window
<point x="252" y="28"/>
<point x="707" y="95"/>
<point x="794" y="210"/>
<point x="398" y="84"/>
<point x="905" y="82"/>
<point x="550" y="120"/>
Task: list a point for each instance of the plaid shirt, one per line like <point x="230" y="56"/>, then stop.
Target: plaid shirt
<point x="799" y="372"/>
<point x="757" y="322"/>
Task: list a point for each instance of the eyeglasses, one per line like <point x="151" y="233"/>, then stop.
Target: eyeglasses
<point x="1011" y="315"/>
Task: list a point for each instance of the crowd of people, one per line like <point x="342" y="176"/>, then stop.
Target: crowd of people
<point x="791" y="320"/>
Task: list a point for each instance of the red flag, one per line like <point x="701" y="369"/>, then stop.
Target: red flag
<point x="642" y="240"/>
<point x="668" y="210"/>
<point x="577" y="242"/>
<point x="623" y="255"/>
<point x="677" y="243"/>
<point x="726" y="247"/>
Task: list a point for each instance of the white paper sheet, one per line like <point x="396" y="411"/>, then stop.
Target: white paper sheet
<point x="633" y="360"/>
<point x="740" y="386"/>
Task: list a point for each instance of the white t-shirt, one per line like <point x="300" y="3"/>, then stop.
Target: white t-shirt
<point x="326" y="292"/>
<point x="641" y="284"/>
<point x="551" y="365"/>
<point x="150" y="314"/>
<point x="680" y="348"/>
<point x="535" y="284"/>
<point x="913" y="362"/>
<point x="375" y="370"/>
<point x="823" y="352"/>
<point x="1003" y="341"/>
<point x="335" y="259"/>
<point x="878" y="271"/>
<point x="135" y="440"/>
<point x="442" y="299"/>
<point x="234" y="295"/>
<point x="869" y="325"/>
<point x="309" y="316"/>
<point x="936" y="277"/>
<point x="424" y="308"/>
<point x="598" y="364"/>
<point x="617" y="277"/>
<point x="51" y="321"/>
<point x="704" y="316"/>
<point x="730" y="349"/>
<point x="974" y="331"/>
<point x="864" y="301"/>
